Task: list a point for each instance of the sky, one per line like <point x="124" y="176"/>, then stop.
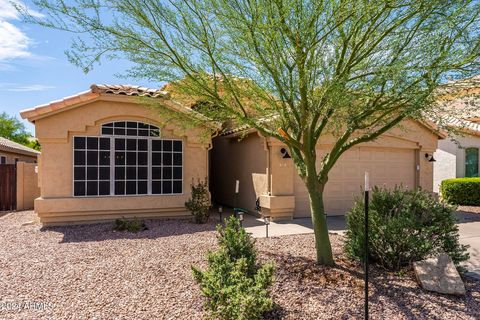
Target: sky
<point x="34" y="69"/>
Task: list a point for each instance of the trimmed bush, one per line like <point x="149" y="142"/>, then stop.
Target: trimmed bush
<point x="133" y="226"/>
<point x="235" y="285"/>
<point x="404" y="226"/>
<point x="461" y="191"/>
<point x="199" y="204"/>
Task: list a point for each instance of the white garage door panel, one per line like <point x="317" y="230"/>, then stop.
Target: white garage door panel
<point x="387" y="167"/>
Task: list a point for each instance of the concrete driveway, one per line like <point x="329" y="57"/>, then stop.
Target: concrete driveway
<point x="468" y="224"/>
<point x="469" y="227"/>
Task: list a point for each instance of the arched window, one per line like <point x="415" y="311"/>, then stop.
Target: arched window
<point x="129" y="158"/>
<point x="130" y="128"/>
<point x="471" y="162"/>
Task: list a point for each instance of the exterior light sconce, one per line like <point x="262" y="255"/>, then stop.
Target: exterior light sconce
<point x="284" y="153"/>
<point x="430" y="157"/>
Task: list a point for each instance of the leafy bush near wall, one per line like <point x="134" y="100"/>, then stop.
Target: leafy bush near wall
<point x="235" y="285"/>
<point x="461" y="191"/>
<point x="404" y="226"/>
<point x="199" y="204"/>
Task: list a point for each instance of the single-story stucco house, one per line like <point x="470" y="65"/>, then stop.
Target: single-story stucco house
<point x="12" y="152"/>
<point x="106" y="153"/>
<point x="458" y="155"/>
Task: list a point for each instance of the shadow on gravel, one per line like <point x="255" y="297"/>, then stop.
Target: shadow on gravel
<point x="386" y="288"/>
<point x="157" y="228"/>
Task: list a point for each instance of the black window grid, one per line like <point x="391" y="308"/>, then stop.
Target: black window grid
<point x="170" y="180"/>
<point x="130" y="128"/>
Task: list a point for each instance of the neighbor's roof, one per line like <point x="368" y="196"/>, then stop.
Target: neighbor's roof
<point x="11" y="146"/>
<point x="462" y="97"/>
<point x="98" y="90"/>
<point x="463" y="125"/>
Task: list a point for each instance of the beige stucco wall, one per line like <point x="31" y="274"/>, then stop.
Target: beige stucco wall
<point x="279" y="199"/>
<point x="27" y="185"/>
<point x="10" y="157"/>
<point x="238" y="158"/>
<point x="55" y="133"/>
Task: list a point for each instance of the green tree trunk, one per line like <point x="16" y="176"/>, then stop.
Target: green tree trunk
<point x="322" y="240"/>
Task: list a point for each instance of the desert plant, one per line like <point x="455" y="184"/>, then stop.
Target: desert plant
<point x="404" y="226"/>
<point x="234" y="284"/>
<point x="461" y="191"/>
<point x="134" y="225"/>
<point x="199" y="204"/>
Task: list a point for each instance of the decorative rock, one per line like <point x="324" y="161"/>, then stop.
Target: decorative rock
<point x="439" y="274"/>
<point x="28" y="223"/>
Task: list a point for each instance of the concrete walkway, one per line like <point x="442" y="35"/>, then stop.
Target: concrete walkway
<point x="256" y="226"/>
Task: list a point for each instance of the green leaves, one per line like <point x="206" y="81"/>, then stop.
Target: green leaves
<point x="235" y="285"/>
<point x="12" y="129"/>
<point x="461" y="191"/>
<point x="404" y="226"/>
<point x="199" y="204"/>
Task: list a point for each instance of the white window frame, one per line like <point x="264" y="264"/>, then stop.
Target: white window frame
<point x="112" y="166"/>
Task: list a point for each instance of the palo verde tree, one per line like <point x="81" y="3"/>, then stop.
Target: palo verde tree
<point x="300" y="71"/>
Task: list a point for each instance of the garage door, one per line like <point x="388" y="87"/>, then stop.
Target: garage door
<point x="386" y="166"/>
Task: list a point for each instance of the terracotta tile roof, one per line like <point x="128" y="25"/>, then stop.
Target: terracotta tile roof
<point x="462" y="98"/>
<point x="129" y="90"/>
<point x="98" y="90"/>
<point x="466" y="126"/>
<point x="11" y="146"/>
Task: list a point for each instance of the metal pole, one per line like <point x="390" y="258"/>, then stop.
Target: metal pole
<point x="266" y="230"/>
<point x="367" y="188"/>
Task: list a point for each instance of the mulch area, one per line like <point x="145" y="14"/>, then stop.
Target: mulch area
<point x="86" y="272"/>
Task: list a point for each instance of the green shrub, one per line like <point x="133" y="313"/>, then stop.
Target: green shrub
<point x="461" y="191"/>
<point x="134" y="225"/>
<point x="235" y="285"/>
<point x="404" y="226"/>
<point x="199" y="204"/>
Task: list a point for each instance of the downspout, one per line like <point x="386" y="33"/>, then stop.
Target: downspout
<point x="268" y="168"/>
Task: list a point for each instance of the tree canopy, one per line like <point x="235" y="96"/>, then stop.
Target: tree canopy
<point x="13" y="129"/>
<point x="296" y="70"/>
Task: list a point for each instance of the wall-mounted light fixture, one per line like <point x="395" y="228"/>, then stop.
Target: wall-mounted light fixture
<point x="430" y="157"/>
<point x="284" y="153"/>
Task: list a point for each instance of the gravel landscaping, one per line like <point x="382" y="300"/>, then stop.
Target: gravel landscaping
<point x="469" y="209"/>
<point x="90" y="271"/>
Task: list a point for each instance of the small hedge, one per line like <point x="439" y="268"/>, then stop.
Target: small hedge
<point x="235" y="284"/>
<point x="404" y="226"/>
<point x="461" y="191"/>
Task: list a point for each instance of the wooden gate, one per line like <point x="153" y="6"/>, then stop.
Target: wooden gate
<point x="8" y="187"/>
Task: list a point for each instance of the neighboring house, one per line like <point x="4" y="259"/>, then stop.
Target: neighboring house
<point x="458" y="155"/>
<point x="107" y="153"/>
<point x="18" y="182"/>
<point x="11" y="152"/>
<point x="401" y="156"/>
